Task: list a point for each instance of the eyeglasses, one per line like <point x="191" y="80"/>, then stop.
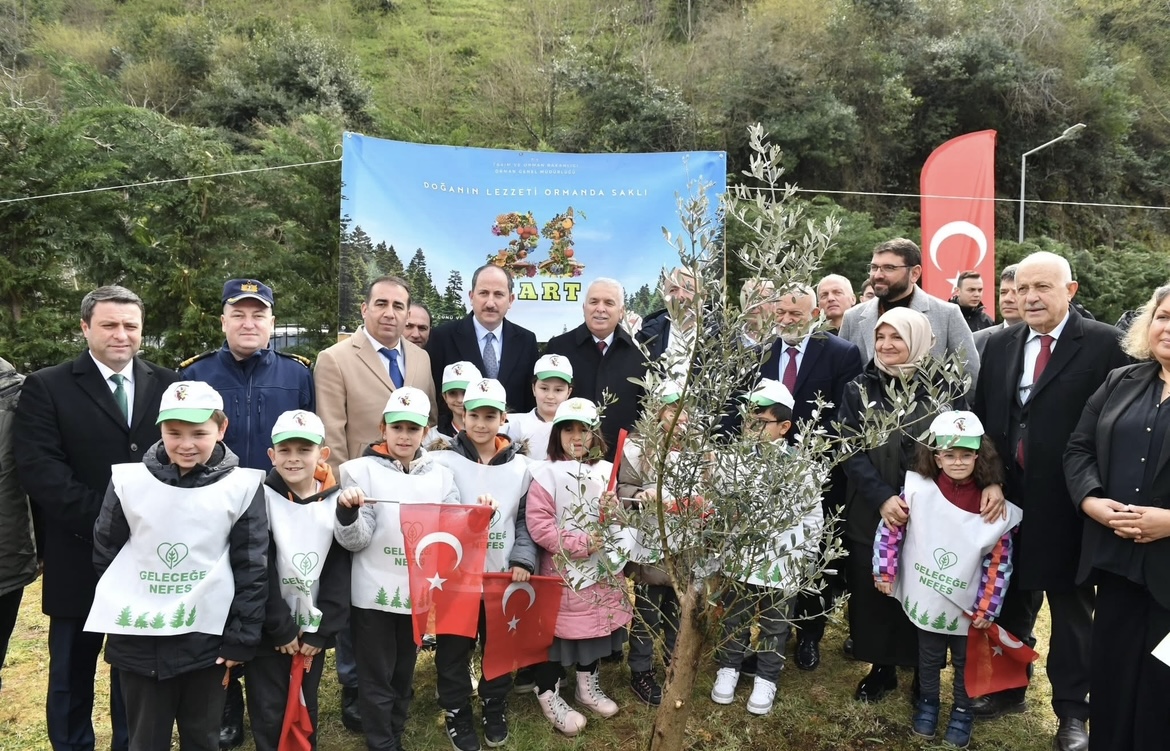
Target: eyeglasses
<point x="956" y="458"/>
<point x="887" y="268"/>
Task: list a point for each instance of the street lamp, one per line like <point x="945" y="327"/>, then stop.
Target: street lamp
<point x="1067" y="134"/>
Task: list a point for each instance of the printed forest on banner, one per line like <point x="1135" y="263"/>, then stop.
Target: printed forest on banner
<point x="556" y="221"/>
<point x="521" y="621"/>
<point x="446" y="545"/>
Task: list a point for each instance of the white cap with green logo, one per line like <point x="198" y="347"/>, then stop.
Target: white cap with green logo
<point x="486" y="392"/>
<point x="553" y="366"/>
<point x="408" y="404"/>
<point x="577" y="410"/>
<point x="458" y="374"/>
<point x="189" y="401"/>
<point x="298" y="423"/>
<point x="957" y="429"/>
<point x="769" y="392"/>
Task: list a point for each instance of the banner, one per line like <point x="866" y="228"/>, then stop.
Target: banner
<point x="556" y="221"/>
<point x="958" y="234"/>
<point x="521" y="621"/>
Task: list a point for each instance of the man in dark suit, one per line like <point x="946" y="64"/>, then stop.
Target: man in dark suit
<point x="1008" y="311"/>
<point x="498" y="347"/>
<point x="1034" y="380"/>
<point x="604" y="358"/>
<point x="75" y="421"/>
<point x="812" y="366"/>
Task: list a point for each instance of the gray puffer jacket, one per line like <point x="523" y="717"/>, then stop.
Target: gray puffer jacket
<point x="18" y="552"/>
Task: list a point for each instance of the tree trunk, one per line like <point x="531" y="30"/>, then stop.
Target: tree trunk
<point x="670" y="720"/>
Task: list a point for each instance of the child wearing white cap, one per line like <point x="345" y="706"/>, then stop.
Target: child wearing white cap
<point x="959" y="564"/>
<point x="456" y="377"/>
<point x="180" y="544"/>
<point x="393" y="471"/>
<point x="552" y="384"/>
<point x="566" y="490"/>
<point x="488" y="467"/>
<point x="764" y="573"/>
<point x="309" y="602"/>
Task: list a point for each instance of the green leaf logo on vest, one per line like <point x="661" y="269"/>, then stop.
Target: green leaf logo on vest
<point x="171" y="554"/>
<point x="306" y="562"/>
<point x="945" y="558"/>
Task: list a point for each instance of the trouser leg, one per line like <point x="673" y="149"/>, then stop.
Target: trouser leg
<point x="151" y="708"/>
<point x="646" y="623"/>
<point x="775" y="613"/>
<point x="738" y="608"/>
<point x="1069" y="649"/>
<point x="200" y="708"/>
<point x="385" y="653"/>
<point x="958" y="646"/>
<point x="932" y="658"/>
<point x="268" y="679"/>
<point x="547" y="674"/>
<point x="73" y="657"/>
<point x="343" y="657"/>
<point x="9" y="607"/>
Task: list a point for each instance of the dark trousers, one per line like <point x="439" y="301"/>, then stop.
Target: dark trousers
<point x="192" y="700"/>
<point x="347" y="674"/>
<point x="741" y="603"/>
<point x="811" y="611"/>
<point x="9" y="607"/>
<point x="1068" y="647"/>
<point x="932" y="658"/>
<point x="268" y="678"/>
<point x="657" y="613"/>
<point x="73" y="658"/>
<point x="452" y="655"/>
<point x="383" y="644"/>
<point x="882" y="634"/>
<point x="1131" y="687"/>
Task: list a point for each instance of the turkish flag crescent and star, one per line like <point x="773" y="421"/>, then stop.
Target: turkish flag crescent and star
<point x="445" y="564"/>
<point x="958" y="215"/>
<point x="297" y="729"/>
<point x="520" y="629"/>
<point x="996" y="661"/>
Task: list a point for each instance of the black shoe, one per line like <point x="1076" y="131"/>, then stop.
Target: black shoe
<point x="847" y="647"/>
<point x="808" y="654"/>
<point x="1071" y="735"/>
<point x="525" y="681"/>
<point x="747" y="669"/>
<point x="880" y="683"/>
<point x="997" y="705"/>
<point x="231" y="727"/>
<point x="351" y="713"/>
<point x="646" y="688"/>
<point x="461" y="729"/>
<point x="495" y="722"/>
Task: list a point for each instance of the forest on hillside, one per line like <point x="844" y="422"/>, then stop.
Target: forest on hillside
<point x="857" y="93"/>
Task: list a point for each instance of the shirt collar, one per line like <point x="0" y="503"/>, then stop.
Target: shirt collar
<point x="608" y="340"/>
<point x="1055" y="333"/>
<point x="481" y="331"/>
<point x="126" y="372"/>
<point x="378" y="346"/>
<point x="801" y="346"/>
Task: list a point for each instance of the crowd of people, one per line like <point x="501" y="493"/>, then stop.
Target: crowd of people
<point x="260" y="481"/>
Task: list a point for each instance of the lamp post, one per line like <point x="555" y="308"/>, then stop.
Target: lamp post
<point x="1070" y="132"/>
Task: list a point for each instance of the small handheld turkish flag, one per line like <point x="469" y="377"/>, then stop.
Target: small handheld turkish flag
<point x="996" y="661"/>
<point x="519" y="629"/>
<point x="297" y="731"/>
<point x="445" y="564"/>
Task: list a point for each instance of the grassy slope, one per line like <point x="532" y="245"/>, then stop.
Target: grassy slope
<point x="814" y="711"/>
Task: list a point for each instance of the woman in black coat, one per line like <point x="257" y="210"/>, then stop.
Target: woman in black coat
<point x="1117" y="474"/>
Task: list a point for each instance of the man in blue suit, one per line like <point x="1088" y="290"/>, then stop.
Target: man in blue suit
<point x="812" y="366"/>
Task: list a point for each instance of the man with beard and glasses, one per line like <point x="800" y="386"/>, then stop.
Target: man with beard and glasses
<point x="895" y="270"/>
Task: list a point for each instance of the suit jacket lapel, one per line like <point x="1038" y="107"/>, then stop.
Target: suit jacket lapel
<point x="468" y="343"/>
<point x="1015" y="365"/>
<point x="89" y="378"/>
<point x="1067" y="346"/>
<point x="371" y="358"/>
<point x="511" y="345"/>
<point x="145" y="387"/>
<point x="812" y="353"/>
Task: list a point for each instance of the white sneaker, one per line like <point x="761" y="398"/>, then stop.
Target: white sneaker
<point x="590" y="695"/>
<point x="725" y="682"/>
<point x="563" y="717"/>
<point x="763" y="692"/>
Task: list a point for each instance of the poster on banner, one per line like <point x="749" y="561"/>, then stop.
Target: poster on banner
<point x="555" y="221"/>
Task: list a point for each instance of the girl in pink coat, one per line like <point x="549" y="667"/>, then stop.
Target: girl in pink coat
<point x="564" y="501"/>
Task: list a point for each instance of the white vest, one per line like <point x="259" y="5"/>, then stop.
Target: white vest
<point x="380" y="579"/>
<point x="174" y="575"/>
<point x="504" y="482"/>
<point x="576" y="489"/>
<point x="527" y="427"/>
<point x="941" y="565"/>
<point x="303" y="533"/>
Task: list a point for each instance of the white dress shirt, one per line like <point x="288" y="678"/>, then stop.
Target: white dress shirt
<point x="127" y="385"/>
<point x="481" y="333"/>
<point x="1032" y="352"/>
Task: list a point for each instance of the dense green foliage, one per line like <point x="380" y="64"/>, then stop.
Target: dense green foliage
<point x="856" y="92"/>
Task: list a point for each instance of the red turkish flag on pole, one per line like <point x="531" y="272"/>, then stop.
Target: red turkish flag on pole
<point x="996" y="661"/>
<point x="521" y="621"/>
<point x="958" y="215"/>
<point x="297" y="730"/>
<point x="446" y="566"/>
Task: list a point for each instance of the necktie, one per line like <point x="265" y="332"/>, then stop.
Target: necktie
<point x="1041" y="362"/>
<point x="120" y="395"/>
<point x="789" y="379"/>
<point x="395" y="372"/>
<point x="491" y="362"/>
<point x="601" y="347"/>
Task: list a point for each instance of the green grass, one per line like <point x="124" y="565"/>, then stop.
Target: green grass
<point x="813" y="712"/>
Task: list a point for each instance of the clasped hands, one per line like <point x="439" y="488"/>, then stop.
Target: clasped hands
<point x="1137" y="523"/>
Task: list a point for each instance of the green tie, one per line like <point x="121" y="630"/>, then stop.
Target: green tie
<point x="120" y="395"/>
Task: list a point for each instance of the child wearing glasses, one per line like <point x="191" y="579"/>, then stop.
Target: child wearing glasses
<point x="947" y="566"/>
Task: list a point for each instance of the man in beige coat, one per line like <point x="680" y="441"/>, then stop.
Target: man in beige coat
<point x="355" y="377"/>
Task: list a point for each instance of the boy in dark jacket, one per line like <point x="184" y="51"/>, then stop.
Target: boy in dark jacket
<point x="181" y="544"/>
<point x="308" y="574"/>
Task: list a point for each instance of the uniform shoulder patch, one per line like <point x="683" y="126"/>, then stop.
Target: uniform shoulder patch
<point x="192" y="360"/>
<point x="299" y="358"/>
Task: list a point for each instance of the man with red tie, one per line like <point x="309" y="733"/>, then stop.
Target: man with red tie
<point x="1032" y="384"/>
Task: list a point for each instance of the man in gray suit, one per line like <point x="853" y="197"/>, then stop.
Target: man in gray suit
<point x="894" y="271"/>
<point x="1007" y="308"/>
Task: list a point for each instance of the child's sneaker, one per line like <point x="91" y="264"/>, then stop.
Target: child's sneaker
<point x="763" y="693"/>
<point x="646" y="688"/>
<point x="959" y="728"/>
<point x="724" y="690"/>
<point x="563" y="717"/>
<point x="924" y="722"/>
<point x="525" y="681"/>
<point x="495" y="722"/>
<point x="461" y="729"/>
<point x="590" y="695"/>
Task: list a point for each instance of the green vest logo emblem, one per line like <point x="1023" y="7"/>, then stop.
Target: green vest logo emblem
<point x="945" y="558"/>
<point x="171" y="554"/>
<point x="305" y="562"/>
